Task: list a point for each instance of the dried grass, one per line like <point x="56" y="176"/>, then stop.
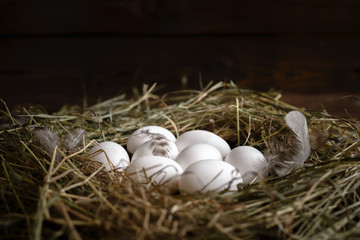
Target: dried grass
<point x="75" y="198"/>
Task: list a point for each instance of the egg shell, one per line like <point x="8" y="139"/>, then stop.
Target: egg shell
<point x="209" y="176"/>
<point x="197" y="152"/>
<point x="158" y="169"/>
<point x="250" y="162"/>
<point x="116" y="156"/>
<point x="202" y="136"/>
<point x="156" y="147"/>
<point x="146" y="133"/>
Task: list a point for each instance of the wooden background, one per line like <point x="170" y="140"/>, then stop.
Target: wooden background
<point x="51" y="52"/>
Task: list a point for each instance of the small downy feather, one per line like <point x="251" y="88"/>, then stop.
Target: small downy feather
<point x="282" y="159"/>
<point x="160" y="146"/>
<point x="73" y="139"/>
<point x="48" y="140"/>
<point x="319" y="135"/>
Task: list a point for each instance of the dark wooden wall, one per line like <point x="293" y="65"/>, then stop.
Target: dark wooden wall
<point x="51" y="51"/>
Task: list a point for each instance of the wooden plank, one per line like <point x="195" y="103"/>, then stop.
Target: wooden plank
<point x="339" y="104"/>
<point x="22" y="17"/>
<point x="32" y="69"/>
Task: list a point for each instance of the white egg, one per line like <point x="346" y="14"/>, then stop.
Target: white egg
<point x="111" y="154"/>
<point x="158" y="169"/>
<point x="202" y="136"/>
<point x="146" y="133"/>
<point x="158" y="146"/>
<point x="197" y="152"/>
<point x="209" y="176"/>
<point x="250" y="162"/>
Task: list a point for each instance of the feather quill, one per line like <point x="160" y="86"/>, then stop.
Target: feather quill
<point x="281" y="158"/>
<point x="73" y="139"/>
<point x="48" y="140"/>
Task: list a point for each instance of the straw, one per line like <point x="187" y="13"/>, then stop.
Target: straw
<point x="42" y="198"/>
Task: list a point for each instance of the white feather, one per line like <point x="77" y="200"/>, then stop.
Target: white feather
<point x="296" y="156"/>
<point x="296" y="121"/>
<point x="281" y="158"/>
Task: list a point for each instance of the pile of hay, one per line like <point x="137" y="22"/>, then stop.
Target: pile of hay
<point x="42" y="198"/>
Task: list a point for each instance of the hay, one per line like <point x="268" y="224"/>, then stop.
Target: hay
<point x="42" y="198"/>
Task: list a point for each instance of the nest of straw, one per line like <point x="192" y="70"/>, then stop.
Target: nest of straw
<point x="43" y="198"/>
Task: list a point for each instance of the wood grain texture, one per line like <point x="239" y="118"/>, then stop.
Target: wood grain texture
<point x="179" y="17"/>
<point x="51" y="52"/>
<point x="50" y="66"/>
